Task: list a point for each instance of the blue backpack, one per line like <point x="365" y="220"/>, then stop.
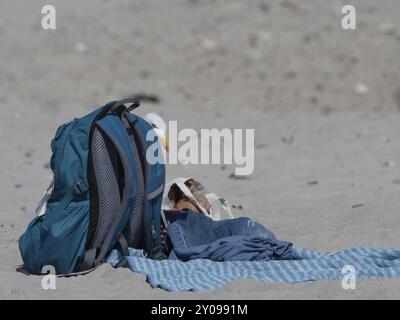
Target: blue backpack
<point x="105" y="196"/>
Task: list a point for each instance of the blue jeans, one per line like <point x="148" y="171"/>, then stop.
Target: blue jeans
<point x="196" y="236"/>
<point x="198" y="229"/>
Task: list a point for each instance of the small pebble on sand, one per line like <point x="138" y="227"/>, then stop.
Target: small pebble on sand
<point x="396" y="181"/>
<point x="387" y="28"/>
<point x="237" y="177"/>
<point x="361" y="88"/>
<point x="238" y="207"/>
<point x="388" y="164"/>
<point x="80" y="47"/>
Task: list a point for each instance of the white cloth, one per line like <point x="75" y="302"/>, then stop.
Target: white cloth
<point x="220" y="208"/>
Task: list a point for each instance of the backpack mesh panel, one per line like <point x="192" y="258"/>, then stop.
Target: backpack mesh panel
<point x="133" y="232"/>
<point x="105" y="158"/>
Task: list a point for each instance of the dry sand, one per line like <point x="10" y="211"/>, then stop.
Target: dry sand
<point x="322" y="101"/>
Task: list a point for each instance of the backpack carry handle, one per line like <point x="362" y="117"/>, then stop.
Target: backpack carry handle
<point x="133" y="101"/>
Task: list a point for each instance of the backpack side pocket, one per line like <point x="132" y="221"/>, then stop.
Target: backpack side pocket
<point x="56" y="238"/>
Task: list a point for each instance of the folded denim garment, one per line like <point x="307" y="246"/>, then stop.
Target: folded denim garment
<point x="242" y="239"/>
<point x="237" y="248"/>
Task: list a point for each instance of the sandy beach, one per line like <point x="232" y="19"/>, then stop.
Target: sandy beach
<point x="324" y="103"/>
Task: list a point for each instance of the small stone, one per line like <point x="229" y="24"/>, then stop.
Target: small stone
<point x="306" y="38"/>
<point x="388" y="164"/>
<point x="290" y="75"/>
<point x="28" y="154"/>
<point x="313" y="100"/>
<point x="146" y="97"/>
<point x="144" y="74"/>
<point x="291" y="4"/>
<point x="80" y="47"/>
<point x="388" y="29"/>
<point x="238" y="207"/>
<point x="353" y="60"/>
<point x="361" y="88"/>
<point x="288" y="140"/>
<point x="237" y="177"/>
<point x="357" y="205"/>
<point x="18" y="186"/>
<point x="396" y="181"/>
<point x="312" y="182"/>
<point x="264" y="6"/>
<point x="208" y="44"/>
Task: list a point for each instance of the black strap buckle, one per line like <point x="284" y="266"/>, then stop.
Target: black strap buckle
<point x="80" y="187"/>
<point x="158" y="253"/>
<point x="89" y="260"/>
<point x="123" y="246"/>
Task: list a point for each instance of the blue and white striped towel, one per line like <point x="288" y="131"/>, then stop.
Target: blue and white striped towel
<point x="307" y="265"/>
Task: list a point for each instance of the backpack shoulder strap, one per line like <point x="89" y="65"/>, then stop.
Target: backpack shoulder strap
<point x="134" y="103"/>
<point x="111" y="127"/>
<point x="155" y="180"/>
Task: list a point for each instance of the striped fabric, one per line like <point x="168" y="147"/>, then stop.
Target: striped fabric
<point x="307" y="265"/>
